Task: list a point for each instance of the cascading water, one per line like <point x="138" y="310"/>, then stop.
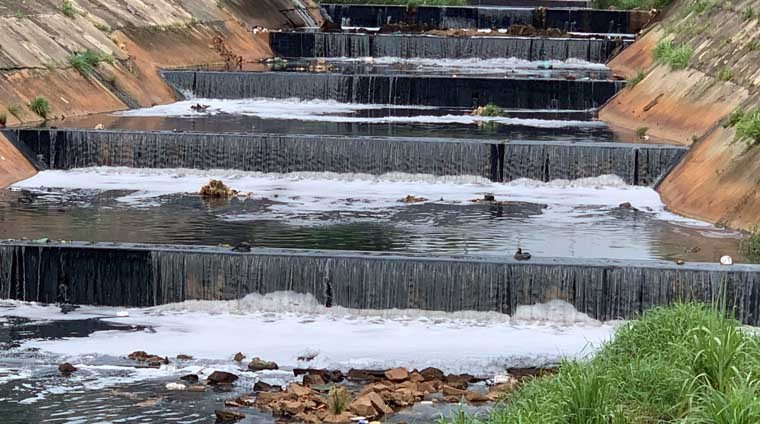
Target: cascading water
<point x="275" y="153"/>
<point x="141" y="276"/>
<point x="299" y="44"/>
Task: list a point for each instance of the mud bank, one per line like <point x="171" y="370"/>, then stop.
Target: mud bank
<point x="718" y="179"/>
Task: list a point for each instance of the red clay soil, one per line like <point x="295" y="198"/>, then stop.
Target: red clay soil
<point x="13" y="165"/>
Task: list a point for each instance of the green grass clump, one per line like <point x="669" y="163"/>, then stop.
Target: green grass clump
<point x="676" y="56"/>
<point x="492" y="110"/>
<point x="85" y="62"/>
<point x="68" y="9"/>
<point x="751" y="246"/>
<point x="14" y="110"/>
<point x="641" y="132"/>
<point x="631" y="4"/>
<point x="687" y="363"/>
<point x="747" y="125"/>
<point x="41" y="106"/>
<point x="3" y="119"/>
<point x="725" y="74"/>
<point x="640" y="75"/>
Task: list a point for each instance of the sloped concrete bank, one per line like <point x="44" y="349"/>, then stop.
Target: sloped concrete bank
<point x="637" y="164"/>
<point x="138" y="275"/>
<point x="37" y="41"/>
<point x="718" y="179"/>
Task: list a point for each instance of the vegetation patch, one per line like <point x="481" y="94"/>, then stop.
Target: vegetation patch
<point x="634" y="80"/>
<point x="725" y="74"/>
<point x="3" y="119"/>
<point x="677" y="57"/>
<point x="748" y="127"/>
<point x="751" y="246"/>
<point x="41" y="106"/>
<point x="85" y="62"/>
<point x="641" y="132"/>
<point x="631" y="4"/>
<point x="686" y="363"/>
<point x="68" y="9"/>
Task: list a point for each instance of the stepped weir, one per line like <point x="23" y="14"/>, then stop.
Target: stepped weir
<point x="330" y="44"/>
<point x="468" y="92"/>
<point x="137" y="275"/>
<point x="463" y="17"/>
<point x="640" y="164"/>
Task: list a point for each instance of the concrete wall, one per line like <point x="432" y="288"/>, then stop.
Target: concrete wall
<point x="718" y="180"/>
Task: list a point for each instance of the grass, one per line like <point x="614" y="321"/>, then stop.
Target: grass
<point x="747" y="125"/>
<point x="68" y="9"/>
<point x="41" y="106"/>
<point x="641" y="132"/>
<point x="338" y="400"/>
<point x="85" y="62"/>
<point x="748" y="13"/>
<point x="20" y="15"/>
<point x="14" y="110"/>
<point x="686" y="363"/>
<point x="631" y="4"/>
<point x="103" y="27"/>
<point x="725" y="74"/>
<point x="492" y="110"/>
<point x="751" y="246"/>
<point x="676" y="56"/>
<point x="3" y="119"/>
<point x="634" y="80"/>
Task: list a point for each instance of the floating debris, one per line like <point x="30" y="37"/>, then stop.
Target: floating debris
<point x="199" y="107"/>
<point x="216" y="189"/>
<point x="522" y="256"/>
<point x="413" y="199"/>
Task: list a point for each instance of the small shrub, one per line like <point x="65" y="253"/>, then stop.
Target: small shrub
<point x="751" y="246"/>
<point x="220" y="4"/>
<point x="14" y="110"/>
<point x="734" y="118"/>
<point x="20" y="15"/>
<point x="3" y="118"/>
<point x="85" y="62"/>
<point x="753" y="45"/>
<point x="748" y="13"/>
<point x="676" y="56"/>
<point x="726" y="74"/>
<point x="103" y="27"/>
<point x="492" y="110"/>
<point x="68" y="9"/>
<point x="634" y="80"/>
<point x="748" y="127"/>
<point x="41" y="106"/>
<point x="641" y="132"/>
<point x="337" y="400"/>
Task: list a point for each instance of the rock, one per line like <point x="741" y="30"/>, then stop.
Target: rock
<point x="175" y="386"/>
<point x="726" y="260"/>
<point x="411" y="385"/>
<point x="66" y="368"/>
<point x="190" y="378"/>
<point x="228" y="416"/>
<point x="308" y="418"/>
<point x="221" y="377"/>
<point x="416" y="377"/>
<point x="313" y="380"/>
<point x="151" y="359"/>
<point x="378" y="403"/>
<point x="298" y="389"/>
<point x="239" y="357"/>
<point x="216" y="189"/>
<point x="432" y="374"/>
<point x="267" y="398"/>
<point x="476" y="397"/>
<point x="453" y="391"/>
<point x="397" y="374"/>
<point x="196" y="388"/>
<point x="680" y="262"/>
<point x="430" y="387"/>
<point x="452" y="399"/>
<point x="293" y="407"/>
<point x="459" y="380"/>
<point x="413" y="199"/>
<point x="184" y="358"/>
<point x="260" y="386"/>
<point x="365" y="375"/>
<point x="99" y="127"/>
<point x="342" y="418"/>
<point x="328" y="376"/>
<point x="363" y="407"/>
<point x="258" y="364"/>
<point x="627" y="205"/>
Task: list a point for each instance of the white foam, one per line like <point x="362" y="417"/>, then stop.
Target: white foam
<point x="476" y="65"/>
<point x="305" y="191"/>
<point x="331" y="111"/>
<point x="284" y="326"/>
